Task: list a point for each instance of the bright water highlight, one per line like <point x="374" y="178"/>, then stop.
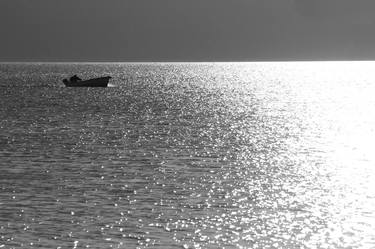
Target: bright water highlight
<point x="188" y="155"/>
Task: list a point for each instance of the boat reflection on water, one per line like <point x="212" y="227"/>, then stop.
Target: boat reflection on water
<point x="75" y="81"/>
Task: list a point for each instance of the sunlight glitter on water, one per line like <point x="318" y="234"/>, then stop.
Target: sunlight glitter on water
<point x="199" y="155"/>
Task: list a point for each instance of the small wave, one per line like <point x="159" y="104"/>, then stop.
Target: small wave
<point x="26" y="86"/>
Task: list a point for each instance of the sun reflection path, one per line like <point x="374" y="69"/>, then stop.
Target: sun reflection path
<point x="232" y="155"/>
<point x="301" y="172"/>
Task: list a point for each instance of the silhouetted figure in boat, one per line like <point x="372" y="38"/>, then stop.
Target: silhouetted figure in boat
<point x="75" y="78"/>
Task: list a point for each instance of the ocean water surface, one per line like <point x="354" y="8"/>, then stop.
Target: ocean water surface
<point x="188" y="155"/>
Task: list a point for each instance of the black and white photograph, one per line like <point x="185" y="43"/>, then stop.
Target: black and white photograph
<point x="187" y="124"/>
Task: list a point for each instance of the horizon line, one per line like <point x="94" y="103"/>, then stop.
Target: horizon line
<point x="171" y="62"/>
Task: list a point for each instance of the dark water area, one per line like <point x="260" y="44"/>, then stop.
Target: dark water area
<point x="188" y="155"/>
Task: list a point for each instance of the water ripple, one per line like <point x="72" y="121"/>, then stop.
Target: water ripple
<point x="200" y="155"/>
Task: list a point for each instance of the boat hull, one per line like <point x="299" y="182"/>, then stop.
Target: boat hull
<point x="97" y="82"/>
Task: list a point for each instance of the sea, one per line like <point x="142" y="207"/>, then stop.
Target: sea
<point x="188" y="155"/>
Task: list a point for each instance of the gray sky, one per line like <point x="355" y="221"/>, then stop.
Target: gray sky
<point x="186" y="30"/>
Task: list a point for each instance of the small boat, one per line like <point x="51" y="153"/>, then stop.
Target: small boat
<point x="96" y="82"/>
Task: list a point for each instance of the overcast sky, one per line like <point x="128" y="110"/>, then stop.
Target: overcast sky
<point x="186" y="30"/>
